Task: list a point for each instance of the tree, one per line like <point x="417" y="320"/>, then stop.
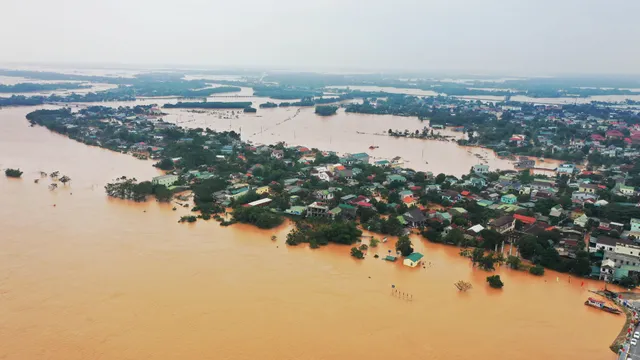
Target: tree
<point x="495" y="282"/>
<point x="536" y="270"/>
<point x="440" y="178"/>
<point x="627" y="282"/>
<point x="356" y="253"/>
<point x="514" y="262"/>
<point x="455" y="236"/>
<point x="374" y="242"/>
<point x="64" y="179"/>
<point x="404" y="246"/>
<point x="162" y="193"/>
<point x="165" y="164"/>
<point x="487" y="262"/>
<point x="477" y="255"/>
<point x="392" y="226"/>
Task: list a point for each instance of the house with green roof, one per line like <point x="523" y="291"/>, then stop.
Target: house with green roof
<point x="296" y="210"/>
<point x="396" y="178"/>
<point x="413" y="259"/>
<point x="484" y="203"/>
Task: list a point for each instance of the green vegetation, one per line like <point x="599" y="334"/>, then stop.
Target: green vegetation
<point x="536" y="270"/>
<point x="326" y="110"/>
<point x="514" y="262"/>
<point x="250" y="110"/>
<point x="258" y="216"/>
<point x="283" y="93"/>
<point x="540" y="250"/>
<point x="628" y="282"/>
<point x="404" y="246"/>
<point x="319" y="233"/>
<point x="495" y="282"/>
<point x="130" y="189"/>
<point x="268" y="105"/>
<point x="34" y="87"/>
<point x="14" y="173"/>
<point x="357" y="253"/>
<point x="208" y="105"/>
<point x="188" y="218"/>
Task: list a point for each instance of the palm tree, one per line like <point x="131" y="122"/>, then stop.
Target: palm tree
<point x="54" y="174"/>
<point x="53" y="186"/>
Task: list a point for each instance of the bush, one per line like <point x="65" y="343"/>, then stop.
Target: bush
<point x="189" y="219"/>
<point x="14" y="173"/>
<point x="363" y="247"/>
<point x="495" y="282"/>
<point x="356" y="253"/>
<point x="537" y="270"/>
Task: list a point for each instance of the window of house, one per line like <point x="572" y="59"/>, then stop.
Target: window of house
<point x="627" y="262"/>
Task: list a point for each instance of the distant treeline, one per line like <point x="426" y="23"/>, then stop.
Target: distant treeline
<point x="209" y="105"/>
<point x="109" y="95"/>
<point x="268" y="105"/>
<point x="283" y="93"/>
<point x="32" y="87"/>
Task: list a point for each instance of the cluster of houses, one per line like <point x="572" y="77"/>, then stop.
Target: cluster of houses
<point x="349" y="184"/>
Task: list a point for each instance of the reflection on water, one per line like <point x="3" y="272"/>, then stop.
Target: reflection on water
<point x="85" y="277"/>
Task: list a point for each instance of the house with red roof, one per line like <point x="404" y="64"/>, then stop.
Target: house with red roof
<point x="597" y="137"/>
<point x="614" y="134"/>
<point x="525" y="219"/>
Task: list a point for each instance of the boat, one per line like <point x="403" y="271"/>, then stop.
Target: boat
<point x="384" y="240"/>
<point x="373" y="147"/>
<point x="602" y="306"/>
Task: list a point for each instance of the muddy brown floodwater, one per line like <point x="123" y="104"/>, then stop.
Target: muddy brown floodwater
<point x="85" y="277"/>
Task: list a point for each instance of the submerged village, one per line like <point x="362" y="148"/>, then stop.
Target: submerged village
<point x="581" y="218"/>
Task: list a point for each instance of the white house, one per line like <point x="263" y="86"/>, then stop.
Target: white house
<point x="581" y="220"/>
<point x="566" y="169"/>
<point x="166" y="180"/>
<point x="413" y="260"/>
<point x="635" y="225"/>
<point x="480" y="169"/>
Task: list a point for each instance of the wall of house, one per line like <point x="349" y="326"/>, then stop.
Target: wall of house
<point x="621" y="259"/>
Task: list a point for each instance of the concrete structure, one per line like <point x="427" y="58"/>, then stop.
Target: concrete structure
<point x="503" y="224"/>
<point x="588" y="188"/>
<point x="260" y="202"/>
<point x="566" y="169"/>
<point x="480" y="169"/>
<point x="413" y="260"/>
<point x="318" y="209"/>
<point x="414" y="218"/>
<point x="166" y="180"/>
<point x="509" y="199"/>
<point x="626" y="190"/>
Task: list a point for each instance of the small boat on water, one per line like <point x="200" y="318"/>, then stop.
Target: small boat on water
<point x="373" y="147"/>
<point x="602" y="306"/>
<point x="384" y="240"/>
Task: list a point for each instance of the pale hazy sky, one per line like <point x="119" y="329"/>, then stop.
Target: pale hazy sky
<point x="518" y="37"/>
